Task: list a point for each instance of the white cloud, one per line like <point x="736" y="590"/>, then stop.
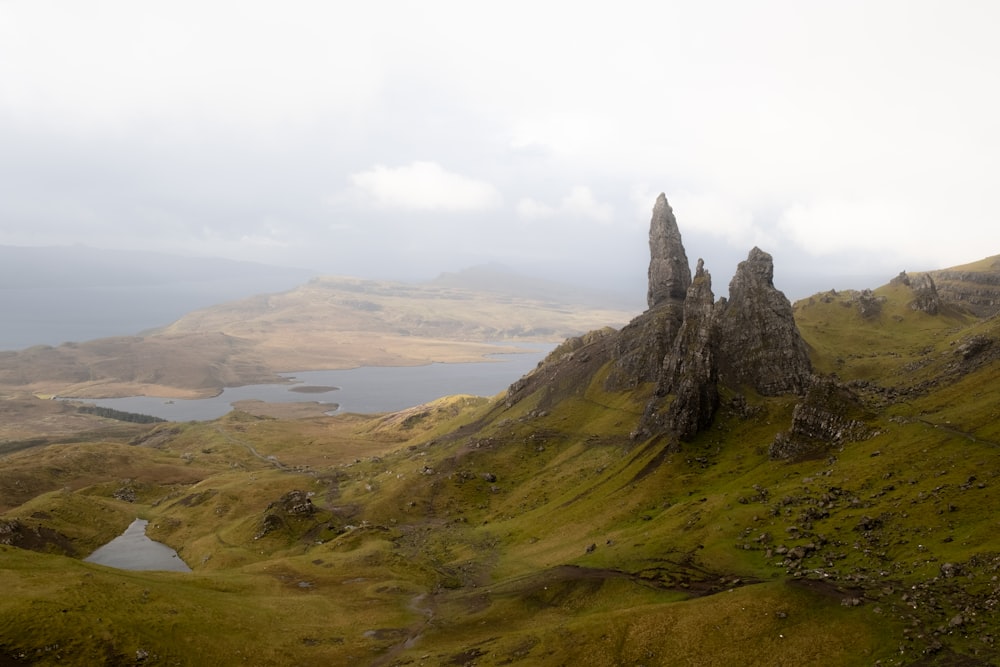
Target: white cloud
<point x="718" y="216"/>
<point x="579" y="203"/>
<point x="531" y="210"/>
<point x="424" y="186"/>
<point x="262" y="241"/>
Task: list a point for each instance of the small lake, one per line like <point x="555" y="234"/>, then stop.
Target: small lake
<point x="132" y="550"/>
<point x="368" y="389"/>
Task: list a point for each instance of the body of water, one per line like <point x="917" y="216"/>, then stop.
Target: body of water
<point x="132" y="550"/>
<point x="368" y="389"/>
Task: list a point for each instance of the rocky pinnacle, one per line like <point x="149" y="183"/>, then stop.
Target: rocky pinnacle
<point x="669" y="272"/>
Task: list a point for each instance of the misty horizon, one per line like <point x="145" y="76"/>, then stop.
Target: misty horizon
<point x="400" y="142"/>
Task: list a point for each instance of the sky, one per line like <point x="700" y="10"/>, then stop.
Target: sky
<point x="400" y="139"/>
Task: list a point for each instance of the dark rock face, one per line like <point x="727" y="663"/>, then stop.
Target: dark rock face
<point x="823" y="420"/>
<point x="759" y="344"/>
<point x="689" y="371"/>
<point x="669" y="271"/>
<point x="642" y="344"/>
<point x="647" y="339"/>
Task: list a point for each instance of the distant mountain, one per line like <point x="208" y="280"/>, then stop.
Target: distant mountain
<point x="25" y="267"/>
<point x="50" y="295"/>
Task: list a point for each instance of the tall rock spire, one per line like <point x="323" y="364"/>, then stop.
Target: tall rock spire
<point x="648" y="338"/>
<point x="669" y="272"/>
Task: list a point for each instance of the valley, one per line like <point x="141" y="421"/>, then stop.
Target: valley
<point x="746" y="481"/>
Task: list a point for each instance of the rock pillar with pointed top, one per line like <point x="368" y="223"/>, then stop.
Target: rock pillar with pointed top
<point x="669" y="272"/>
<point x="644" y="342"/>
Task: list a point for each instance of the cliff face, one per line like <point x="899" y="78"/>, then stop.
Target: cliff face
<point x="974" y="286"/>
<point x="689" y="374"/>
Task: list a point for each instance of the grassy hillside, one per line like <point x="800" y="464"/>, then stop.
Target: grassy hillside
<point x="539" y="532"/>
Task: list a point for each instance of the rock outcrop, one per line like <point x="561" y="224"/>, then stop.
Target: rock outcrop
<point x="869" y="306"/>
<point x="925" y="294"/>
<point x="689" y="373"/>
<point x="294" y="504"/>
<point x="975" y="287"/>
<point x="759" y="343"/>
<point x="826" y="418"/>
<point x="685" y="343"/>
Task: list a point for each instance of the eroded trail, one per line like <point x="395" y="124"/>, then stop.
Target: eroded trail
<point x="422" y="604"/>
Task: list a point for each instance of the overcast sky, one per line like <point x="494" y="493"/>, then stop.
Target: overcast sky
<point x="851" y="140"/>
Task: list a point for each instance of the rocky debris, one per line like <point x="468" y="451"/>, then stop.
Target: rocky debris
<point x="669" y="271"/>
<point x="973" y="346"/>
<point x="972" y="352"/>
<point x="759" y="343"/>
<point x="689" y="371"/>
<point x="292" y="504"/>
<point x="823" y="420"/>
<point x="869" y="306"/>
<point x="127" y="492"/>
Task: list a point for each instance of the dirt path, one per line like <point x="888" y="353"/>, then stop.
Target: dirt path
<point x="272" y="460"/>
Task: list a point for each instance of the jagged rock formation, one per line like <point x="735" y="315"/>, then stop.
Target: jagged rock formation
<point x="759" y="343"/>
<point x="689" y="371"/>
<point x="826" y="418"/>
<point x="925" y="294"/>
<point x="648" y="338"/>
<point x="685" y="343"/>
